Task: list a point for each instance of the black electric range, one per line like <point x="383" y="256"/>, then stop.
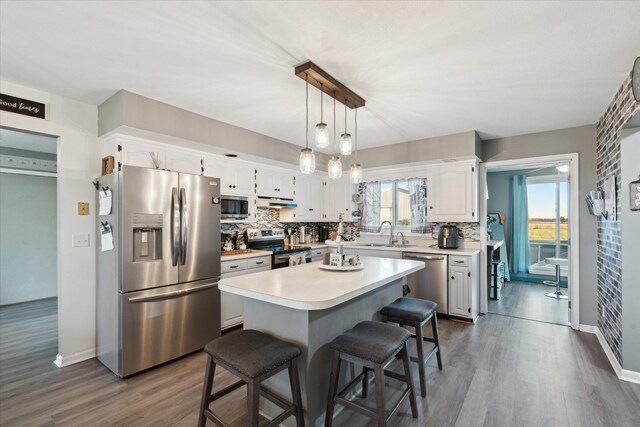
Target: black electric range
<point x="273" y="240"/>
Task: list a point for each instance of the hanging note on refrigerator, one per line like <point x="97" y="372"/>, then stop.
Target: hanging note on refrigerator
<point x="105" y="202"/>
<point x="106" y="241"/>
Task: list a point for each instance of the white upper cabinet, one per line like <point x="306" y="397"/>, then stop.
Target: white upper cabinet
<point x="337" y="198"/>
<point x="452" y="192"/>
<point x="138" y="153"/>
<point x="274" y="182"/>
<point x="236" y="176"/>
<point x="183" y="161"/>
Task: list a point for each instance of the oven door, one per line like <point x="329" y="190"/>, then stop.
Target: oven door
<point x="234" y="207"/>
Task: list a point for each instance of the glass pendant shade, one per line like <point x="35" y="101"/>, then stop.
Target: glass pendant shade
<point x="335" y="167"/>
<point x="346" y="145"/>
<point x="322" y="135"/>
<point x="356" y="173"/>
<point x="307" y="161"/>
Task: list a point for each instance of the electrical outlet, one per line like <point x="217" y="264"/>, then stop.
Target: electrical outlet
<point x="83" y="208"/>
<point x="80" y="241"/>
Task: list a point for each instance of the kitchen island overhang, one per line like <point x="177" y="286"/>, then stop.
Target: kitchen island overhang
<point x="309" y="307"/>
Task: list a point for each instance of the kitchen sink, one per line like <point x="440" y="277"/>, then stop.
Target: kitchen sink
<point x="385" y="245"/>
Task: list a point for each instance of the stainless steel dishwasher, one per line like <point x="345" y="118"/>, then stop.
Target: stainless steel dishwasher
<point x="432" y="281"/>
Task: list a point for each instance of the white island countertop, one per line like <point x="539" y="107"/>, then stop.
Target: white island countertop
<point x="307" y="287"/>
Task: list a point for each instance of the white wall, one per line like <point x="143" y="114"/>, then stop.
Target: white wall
<point x="27" y="238"/>
<point x="76" y="125"/>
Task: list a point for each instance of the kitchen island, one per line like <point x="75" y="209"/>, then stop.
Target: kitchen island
<point x="310" y="307"/>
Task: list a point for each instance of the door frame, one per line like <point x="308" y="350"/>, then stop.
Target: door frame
<point x="574" y="227"/>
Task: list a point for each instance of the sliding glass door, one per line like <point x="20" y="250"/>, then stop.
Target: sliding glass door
<point x="548" y="197"/>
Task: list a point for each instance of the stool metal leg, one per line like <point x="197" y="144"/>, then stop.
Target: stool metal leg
<point x="206" y="390"/>
<point x="380" y="409"/>
<point x="436" y="338"/>
<point x="557" y="294"/>
<point x="419" y="346"/>
<point x="333" y="390"/>
<point x="407" y="374"/>
<point x="253" y="402"/>
<point x="296" y="396"/>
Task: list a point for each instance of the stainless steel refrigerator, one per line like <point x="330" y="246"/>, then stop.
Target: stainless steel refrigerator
<point x="157" y="289"/>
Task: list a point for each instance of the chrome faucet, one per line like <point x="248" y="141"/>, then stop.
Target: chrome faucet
<point x="391" y="241"/>
<point x="404" y="241"/>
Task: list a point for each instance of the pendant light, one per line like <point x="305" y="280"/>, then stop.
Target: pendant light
<point x="322" y="130"/>
<point x="356" y="169"/>
<point x="307" y="158"/>
<point x="345" y="138"/>
<point x="335" y="165"/>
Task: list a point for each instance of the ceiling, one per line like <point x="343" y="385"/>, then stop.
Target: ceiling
<point x="10" y="138"/>
<point x="425" y="68"/>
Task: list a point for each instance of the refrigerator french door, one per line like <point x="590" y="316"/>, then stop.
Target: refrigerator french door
<point x="157" y="289"/>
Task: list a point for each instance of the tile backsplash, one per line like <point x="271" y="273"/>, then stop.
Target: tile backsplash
<point x="469" y="231"/>
<point x="270" y="218"/>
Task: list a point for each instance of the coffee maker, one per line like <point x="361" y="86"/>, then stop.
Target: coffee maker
<point x="323" y="233"/>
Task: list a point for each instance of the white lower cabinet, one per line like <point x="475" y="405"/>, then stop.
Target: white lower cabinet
<point x="464" y="286"/>
<point x="232" y="306"/>
<point x="316" y="254"/>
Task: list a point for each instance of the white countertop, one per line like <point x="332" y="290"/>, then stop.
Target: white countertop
<point x="307" y="287"/>
<point x="495" y="244"/>
<point x="254" y="253"/>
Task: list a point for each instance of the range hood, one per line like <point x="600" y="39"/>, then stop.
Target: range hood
<point x="275" y="203"/>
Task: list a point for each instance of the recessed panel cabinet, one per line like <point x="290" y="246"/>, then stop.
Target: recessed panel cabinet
<point x="274" y="182"/>
<point x="452" y="192"/>
<point x="231" y="305"/>
<point x="236" y="177"/>
<point x="464" y="297"/>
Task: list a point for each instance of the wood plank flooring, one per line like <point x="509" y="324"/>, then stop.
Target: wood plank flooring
<point x="527" y="301"/>
<point x="503" y="371"/>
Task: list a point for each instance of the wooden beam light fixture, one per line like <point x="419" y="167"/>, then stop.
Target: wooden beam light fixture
<point x="326" y="83"/>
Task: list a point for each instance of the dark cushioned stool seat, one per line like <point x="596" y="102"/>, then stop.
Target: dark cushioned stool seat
<point x="373" y="341"/>
<point x="250" y="352"/>
<point x="413" y="309"/>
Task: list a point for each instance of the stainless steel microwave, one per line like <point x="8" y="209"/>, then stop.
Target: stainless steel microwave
<point x="234" y="207"/>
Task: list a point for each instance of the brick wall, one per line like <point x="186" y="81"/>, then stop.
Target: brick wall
<point x="621" y="109"/>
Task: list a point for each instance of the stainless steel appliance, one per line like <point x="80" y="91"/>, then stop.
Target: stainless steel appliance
<point x="431" y="282"/>
<point x="275" y="202"/>
<point x="234" y="207"/>
<point x="157" y="293"/>
<point x="448" y="237"/>
<point x="324" y="233"/>
<point x="272" y="239"/>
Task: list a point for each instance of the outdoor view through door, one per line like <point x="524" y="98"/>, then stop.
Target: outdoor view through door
<point x="528" y="210"/>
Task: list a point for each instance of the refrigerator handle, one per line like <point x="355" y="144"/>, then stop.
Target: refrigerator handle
<point x="175" y="226"/>
<point x="184" y="227"/>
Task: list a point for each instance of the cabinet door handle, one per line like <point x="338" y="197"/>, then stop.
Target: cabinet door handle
<point x="260" y="262"/>
<point x="234" y="266"/>
<point x="453" y="277"/>
<point x="430" y="207"/>
<point x="459" y="262"/>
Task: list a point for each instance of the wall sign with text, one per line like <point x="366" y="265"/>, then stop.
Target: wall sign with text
<point x="22" y="106"/>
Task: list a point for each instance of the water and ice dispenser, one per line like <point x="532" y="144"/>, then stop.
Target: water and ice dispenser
<point x="147" y="237"/>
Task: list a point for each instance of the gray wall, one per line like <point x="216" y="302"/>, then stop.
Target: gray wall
<point x="129" y="109"/>
<point x="581" y="140"/>
<point x="630" y="168"/>
<point x="458" y="145"/>
<point x="28" y="238"/>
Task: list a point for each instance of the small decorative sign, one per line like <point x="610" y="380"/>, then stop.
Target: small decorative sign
<point x="634" y="195"/>
<point x="22" y="106"/>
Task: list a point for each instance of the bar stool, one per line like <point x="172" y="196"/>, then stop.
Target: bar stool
<point x="373" y="345"/>
<point x="558" y="262"/>
<point x="253" y="357"/>
<point x="416" y="312"/>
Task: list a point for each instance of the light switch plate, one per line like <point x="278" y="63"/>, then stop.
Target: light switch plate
<point x="83" y="208"/>
<point x="80" y="241"/>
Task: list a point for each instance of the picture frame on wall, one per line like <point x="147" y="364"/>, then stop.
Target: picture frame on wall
<point x="634" y="195"/>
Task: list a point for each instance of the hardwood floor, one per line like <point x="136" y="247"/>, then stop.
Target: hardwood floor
<point x="527" y="301"/>
<point x="503" y="371"/>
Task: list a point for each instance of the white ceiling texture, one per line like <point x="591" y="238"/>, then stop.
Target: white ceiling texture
<point x="425" y="68"/>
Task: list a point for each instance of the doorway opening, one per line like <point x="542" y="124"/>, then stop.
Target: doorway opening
<point x="528" y="225"/>
<point x="28" y="248"/>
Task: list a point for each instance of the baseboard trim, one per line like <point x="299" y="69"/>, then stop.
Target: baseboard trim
<point x="630" y="376"/>
<point x="588" y="329"/>
<point x="62" y="361"/>
<point x="607" y="350"/>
